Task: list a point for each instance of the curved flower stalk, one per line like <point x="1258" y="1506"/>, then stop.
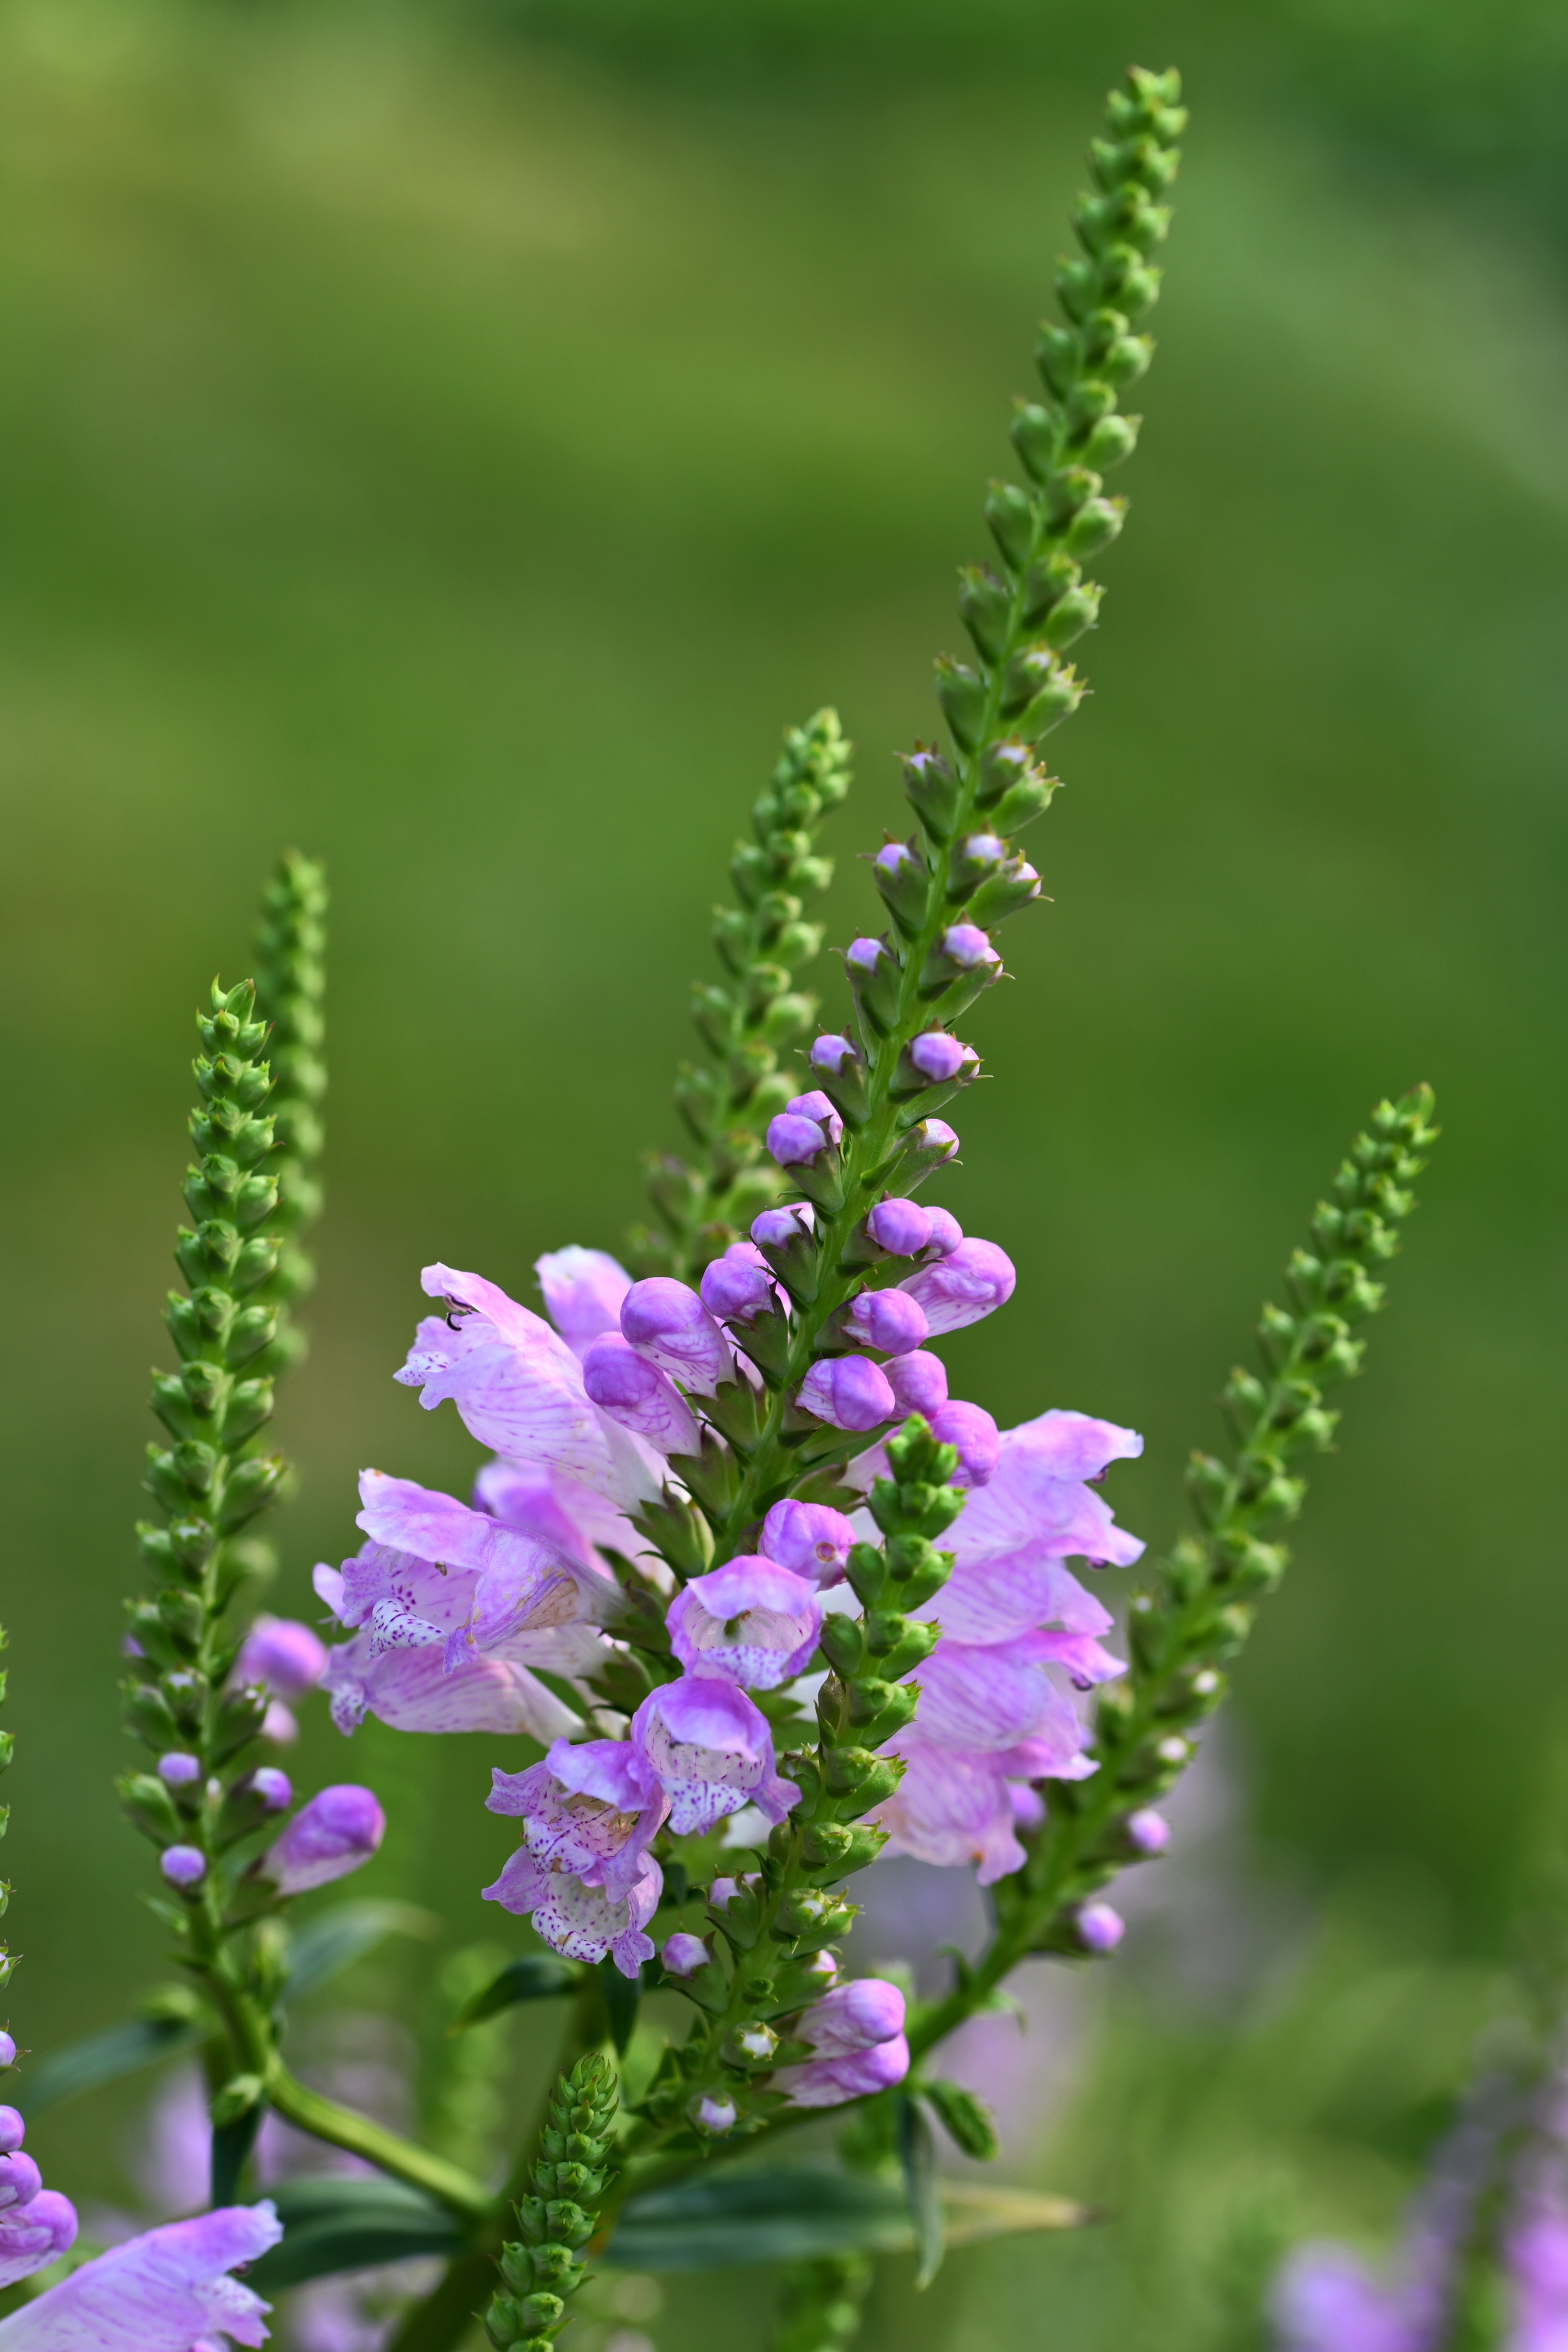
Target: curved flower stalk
<point x="706" y="1205"/>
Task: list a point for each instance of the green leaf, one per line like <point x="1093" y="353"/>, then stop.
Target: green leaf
<point x="335" y="1939"/>
<point x="917" y="2162"/>
<point x="349" y="2225"/>
<point x="102" y="2058"/>
<point x="759" y="2217"/>
<point x="968" y="2120"/>
<point x="801" y="2214"/>
<point x="539" y="1976"/>
<point x="621" y="1996"/>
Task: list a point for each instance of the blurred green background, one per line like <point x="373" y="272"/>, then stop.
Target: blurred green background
<point x="456" y="438"/>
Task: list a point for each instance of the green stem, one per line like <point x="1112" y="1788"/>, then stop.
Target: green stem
<point x="448" y="2184"/>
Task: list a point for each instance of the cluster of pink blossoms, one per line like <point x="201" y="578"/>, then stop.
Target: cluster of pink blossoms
<point x="481" y="1617"/>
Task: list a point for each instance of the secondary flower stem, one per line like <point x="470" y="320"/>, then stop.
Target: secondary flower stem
<point x="448" y="2184"/>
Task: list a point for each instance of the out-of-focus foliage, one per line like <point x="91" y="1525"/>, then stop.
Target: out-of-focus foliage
<point x="453" y="446"/>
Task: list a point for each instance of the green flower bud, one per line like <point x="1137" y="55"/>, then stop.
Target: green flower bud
<point x="1010" y="514"/>
<point x="962" y="693"/>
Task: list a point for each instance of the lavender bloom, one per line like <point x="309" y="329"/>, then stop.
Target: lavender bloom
<point x="166" y="2291"/>
<point x="991" y="1698"/>
<point x="750" y="1622"/>
<point x="952" y="1807"/>
<point x="901" y="1227"/>
<point x="1036" y="1511"/>
<point x="864" y="956"/>
<point x="1325" y="2300"/>
<point x="946" y="1232"/>
<point x="273" y="1787"/>
<point x="1148" y="1830"/>
<point x="979" y="1441"/>
<point x="889" y="1319"/>
<point x="941" y="1059"/>
<point x="593" y="1810"/>
<point x="338" y="1830"/>
<point x="832" y="1053"/>
<point x="178" y="1770"/>
<point x="637" y="1394"/>
<point x="852" y="2016"/>
<point x="13" y="2130"/>
<point x="1101" y="1928"/>
<point x="776" y="1228"/>
<point x="683" y="1955"/>
<point x="283" y="1655"/>
<point x="919" y="1382"/>
<point x="33" y="2235"/>
<point x="739" y="1285"/>
<point x="519" y="1387"/>
<point x="818" y="1107"/>
<point x="967" y="946"/>
<point x="849" y="1392"/>
<point x="969" y="1282"/>
<point x="809" y="1537"/>
<point x="183" y="1866"/>
<point x="20" y="2179"/>
<point x="669" y="1325"/>
<point x="712" y="2113"/>
<point x="713" y="1752"/>
<point x="582" y="1289"/>
<point x="793" y="1139"/>
<point x="579" y="1921"/>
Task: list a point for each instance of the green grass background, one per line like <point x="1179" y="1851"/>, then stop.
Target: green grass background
<point x="456" y="439"/>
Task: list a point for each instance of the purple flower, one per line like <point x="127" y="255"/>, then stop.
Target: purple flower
<point x="1101" y="1928"/>
<point x="271" y="1786"/>
<point x="711" y="2113"/>
<point x="593" y="1810"/>
<point x="637" y="1394"/>
<point x="338" y="1830"/>
<point x="971" y="1428"/>
<point x="1148" y="1830"/>
<point x="793" y="1139"/>
<point x="919" y="1382"/>
<point x="178" y="1770"/>
<point x="33" y="2235"/>
<point x="20" y="2179"/>
<point x="1537" y="2252"/>
<point x="1326" y="2300"/>
<point x="809" y="1537"/>
<point x="852" y="2016"/>
<point x="831" y="1054"/>
<point x="519" y="1387"/>
<point x="668" y="1324"/>
<point x="941" y="1059"/>
<point x="969" y="1282"/>
<point x="583" y="1293"/>
<point x="712" y="1750"/>
<point x="683" y="1955"/>
<point x="13" y="2130"/>
<point x="750" y="1622"/>
<point x="946" y="1232"/>
<point x="889" y="1319"/>
<point x="849" y="1392"/>
<point x="739" y="1285"/>
<point x="283" y="1655"/>
<point x="901" y="1227"/>
<point x="967" y="946"/>
<point x="818" y="1107"/>
<point x="166" y="2291"/>
<point x="952" y="1807"/>
<point x="857" y="2028"/>
<point x="864" y="956"/>
<point x="183" y="1866"/>
<point x="1015" y="1532"/>
<point x="991" y="1698"/>
<point x="579" y="1921"/>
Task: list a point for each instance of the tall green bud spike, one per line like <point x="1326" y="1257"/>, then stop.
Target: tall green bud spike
<point x="708" y="1202"/>
<point x="250" y="1193"/>
<point x="545" y="2269"/>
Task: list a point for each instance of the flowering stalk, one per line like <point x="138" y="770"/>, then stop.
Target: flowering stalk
<point x="544" y="2268"/>
<point x="704" y="1205"/>
<point x="291" y="944"/>
<point x="1202" y="1610"/>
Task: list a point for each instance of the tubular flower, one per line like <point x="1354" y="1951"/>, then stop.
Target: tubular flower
<point x="579" y="1921"/>
<point x="712" y="1752"/>
<point x="166" y="2291"/>
<point x="592" y="1810"/>
<point x="450" y="1607"/>
<point x="857" y="2031"/>
<point x="750" y="1622"/>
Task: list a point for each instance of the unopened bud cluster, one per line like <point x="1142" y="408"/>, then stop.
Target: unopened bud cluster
<point x="543" y="2268"/>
